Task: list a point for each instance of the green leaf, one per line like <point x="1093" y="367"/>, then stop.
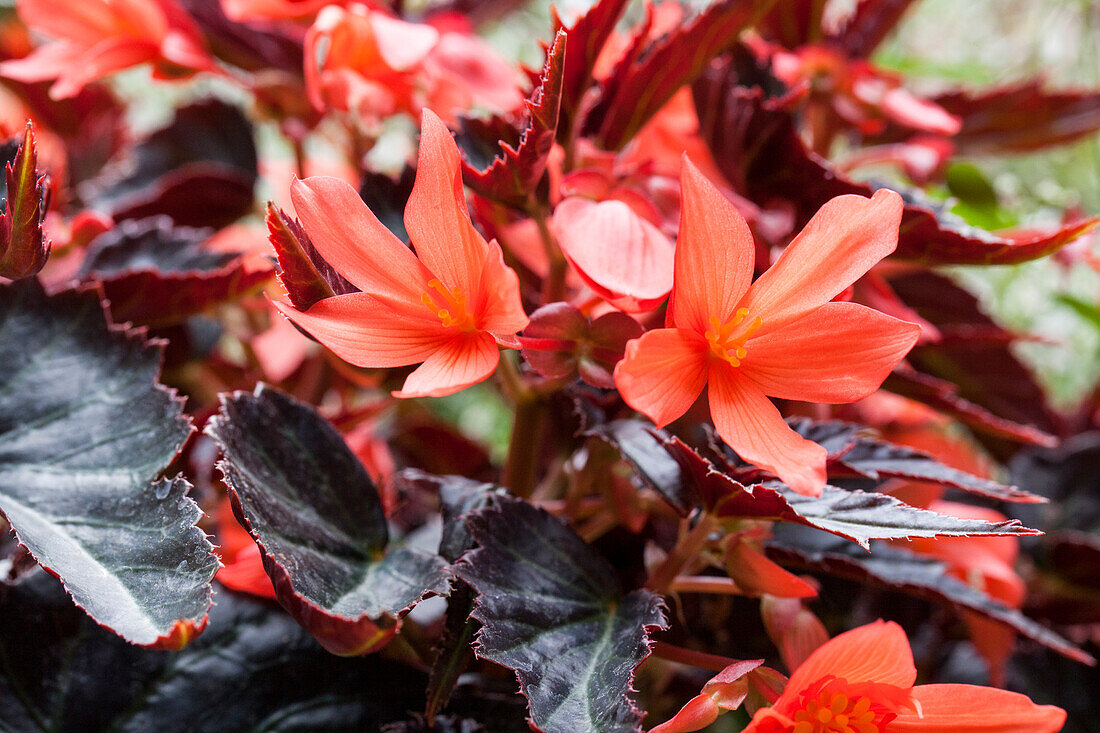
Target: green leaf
<point x="317" y="517"/>
<point x="85" y="430"/>
<point x="552" y="611"/>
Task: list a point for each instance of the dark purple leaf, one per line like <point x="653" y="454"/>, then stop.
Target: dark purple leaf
<point x="520" y="158"/>
<point x="944" y="396"/>
<point x="877" y="459"/>
<point x="853" y="452"/>
<point x="905" y="572"/>
<point x="253" y="670"/>
<point x="24" y="246"/>
<point x="386" y="198"/>
<point x="318" y="520"/>
<point x="855" y="515"/>
<point x="551" y="610"/>
<point x="304" y="274"/>
<point x="985" y="371"/>
<point x="641" y="446"/>
<point x="157" y="274"/>
<point x="641" y="86"/>
<point x="85" y="432"/>
<point x="756" y="144"/>
<point x="200" y="170"/>
<point x="458" y="496"/>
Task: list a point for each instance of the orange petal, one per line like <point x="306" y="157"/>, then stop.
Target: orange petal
<point x="368" y="332"/>
<point x="714" y="254"/>
<point x="699" y="712"/>
<point x="103" y="59"/>
<point x="501" y="310"/>
<point x="878" y="652"/>
<point x="756" y="575"/>
<point x="401" y="44"/>
<point x="48" y="61"/>
<point x="841" y="242"/>
<point x="750" y="424"/>
<point x="623" y="257"/>
<point x="350" y="237"/>
<point x="436" y="216"/>
<point x="839" y="353"/>
<point x="973" y="709"/>
<point x="663" y="373"/>
<point x="464" y="360"/>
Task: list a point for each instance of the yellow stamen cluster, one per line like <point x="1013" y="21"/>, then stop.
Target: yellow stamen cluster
<point x="448" y="305"/>
<point x="721" y="336"/>
<point x="835" y="712"/>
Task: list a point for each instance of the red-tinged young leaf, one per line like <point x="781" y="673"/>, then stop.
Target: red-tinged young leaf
<point x="303" y="273"/>
<point x="552" y="611"/>
<point x="1020" y="118"/>
<point x="853" y="453"/>
<point x="253" y="669"/>
<point x="904" y="572"/>
<point x="855" y="515"/>
<point x="586" y="39"/>
<point x="317" y="517"/>
<point x="85" y="433"/>
<point x="200" y="169"/>
<point x="24" y="246"/>
<point x="631" y="97"/>
<point x="520" y="163"/>
<point x="756" y="144"/>
<point x="157" y="274"/>
<point x="937" y="237"/>
<point x="869" y="25"/>
<point x="985" y="372"/>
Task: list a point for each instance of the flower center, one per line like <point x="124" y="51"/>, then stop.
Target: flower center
<point x="836" y="712"/>
<point x="448" y="305"/>
<point x="722" y="340"/>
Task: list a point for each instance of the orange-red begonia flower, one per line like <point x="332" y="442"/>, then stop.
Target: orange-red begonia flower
<point x="365" y="60"/>
<point x="862" y="682"/>
<point x="778" y="336"/>
<point x="447" y="306"/>
<point x="95" y="38"/>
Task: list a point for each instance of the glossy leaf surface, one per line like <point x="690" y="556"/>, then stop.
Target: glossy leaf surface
<point x="551" y="610"/>
<point x="85" y="431"/>
<point x="318" y="519"/>
<point x="253" y="670"/>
